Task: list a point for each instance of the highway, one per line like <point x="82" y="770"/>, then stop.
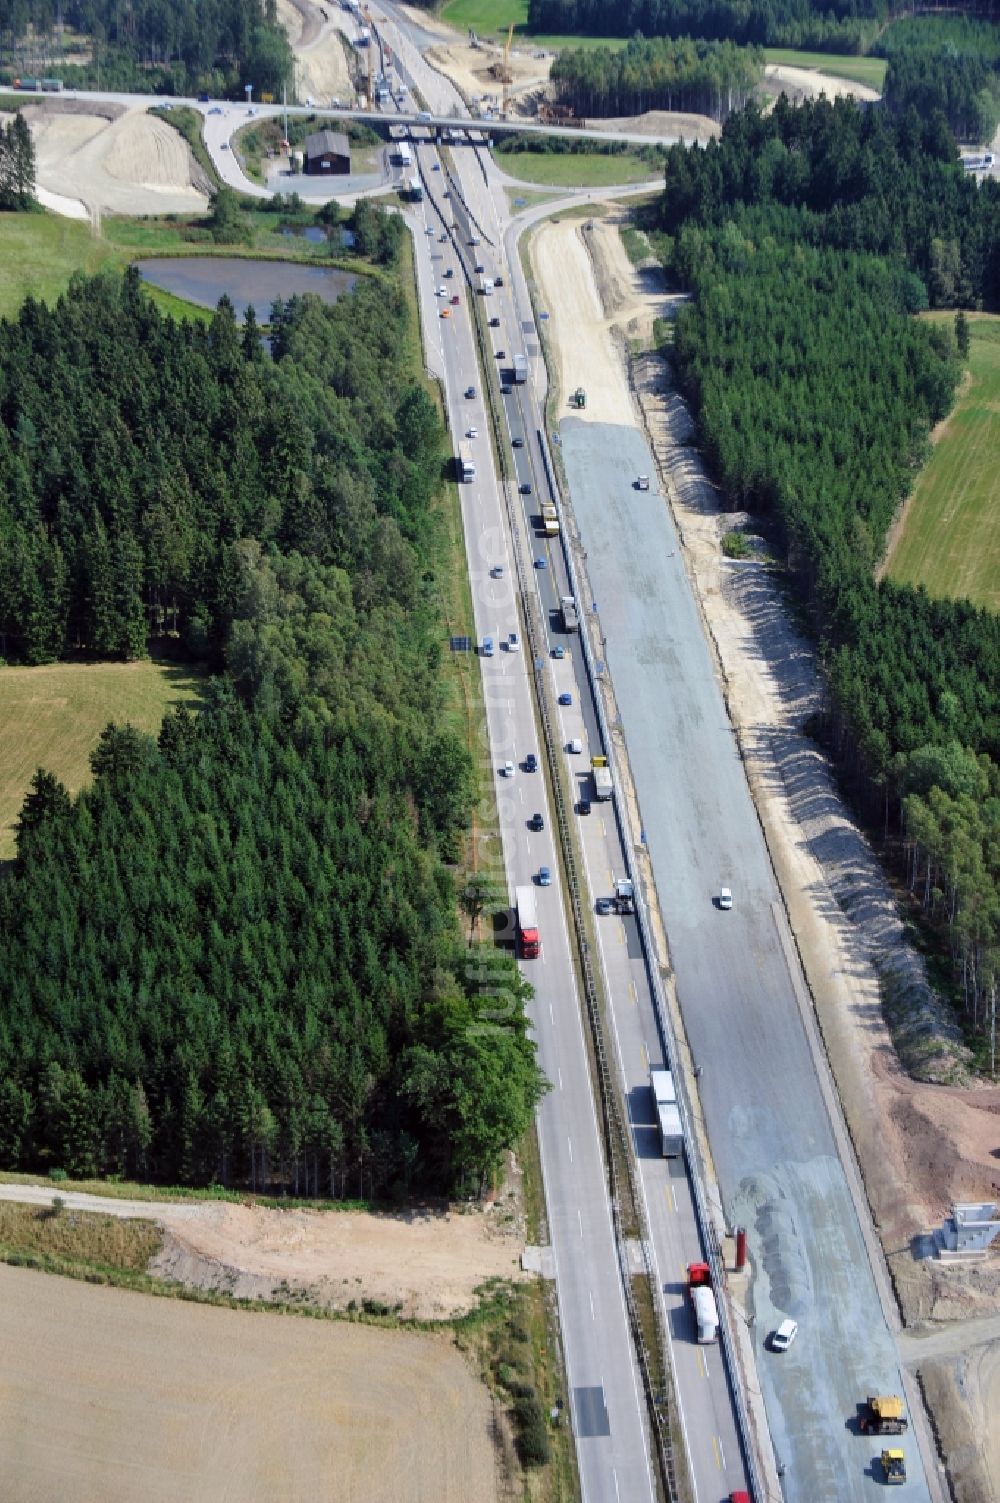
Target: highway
<point x="606" y="1406"/>
<point x="738" y="978"/>
<point x="740" y="990"/>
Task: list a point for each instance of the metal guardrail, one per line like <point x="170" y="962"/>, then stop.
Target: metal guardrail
<point x="668" y="1039"/>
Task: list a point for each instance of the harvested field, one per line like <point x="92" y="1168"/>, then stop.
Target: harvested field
<point x="52" y="716"/>
<point x="110" y="1397"/>
<point x="947" y="538"/>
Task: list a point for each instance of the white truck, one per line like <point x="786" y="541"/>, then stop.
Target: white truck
<point x="570" y="614"/>
<point x="520" y="369"/>
<point x="403" y="154"/>
<point x="601" y="773"/>
<point x="486" y="286"/>
<point x="668" y="1117"/>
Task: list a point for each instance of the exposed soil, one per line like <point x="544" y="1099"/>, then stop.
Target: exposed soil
<point x="425" y="1263"/>
<point x="661" y="123"/>
<point x="321" y="71"/>
<point x="110" y="1397"/>
<point x="921" y="1145"/>
<point x="131" y="163"/>
<point x="806" y="83"/>
<point x="469" y="69"/>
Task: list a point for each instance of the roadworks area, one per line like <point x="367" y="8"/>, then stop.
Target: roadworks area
<point x="924" y="1133"/>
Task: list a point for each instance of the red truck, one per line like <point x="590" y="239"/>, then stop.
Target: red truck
<point x="529" y="943"/>
<point x="706" y="1311"/>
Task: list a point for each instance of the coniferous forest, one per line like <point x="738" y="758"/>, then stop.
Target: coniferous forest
<point x="810" y="238"/>
<point x="237" y="956"/>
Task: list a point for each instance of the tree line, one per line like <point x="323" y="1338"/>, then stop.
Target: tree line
<point x="831" y="26"/>
<point x="17" y="166"/>
<point x="809" y="239"/>
<point x="146" y="46"/>
<point x="946" y="63"/>
<point x="711" y="78"/>
<point x="237" y="955"/>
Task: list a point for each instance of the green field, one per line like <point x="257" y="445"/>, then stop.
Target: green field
<point x="52" y="716"/>
<point x="490" y="17"/>
<point x="40" y="252"/>
<point x="583" y="169"/>
<point x="950" y="541"/>
<point x="864" y="70"/>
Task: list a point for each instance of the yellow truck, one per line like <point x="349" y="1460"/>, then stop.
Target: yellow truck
<point x="882" y="1414"/>
<point x="894" y="1467"/>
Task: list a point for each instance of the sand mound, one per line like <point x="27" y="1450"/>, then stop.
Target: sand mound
<point x="136" y="164"/>
<point x="144" y="150"/>
<point x="663" y="124"/>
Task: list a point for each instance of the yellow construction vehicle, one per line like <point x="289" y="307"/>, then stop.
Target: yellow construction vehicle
<point x="508" y="77"/>
<point x="882" y="1414"/>
<point x="894" y="1467"/>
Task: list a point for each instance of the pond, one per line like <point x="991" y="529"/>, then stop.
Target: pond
<point x="204" y="279"/>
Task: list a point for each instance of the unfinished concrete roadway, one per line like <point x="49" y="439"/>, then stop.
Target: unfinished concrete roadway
<point x="770" y="1131"/>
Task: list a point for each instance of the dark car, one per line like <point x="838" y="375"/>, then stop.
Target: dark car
<point x="536" y="823"/>
<point x="531" y="763"/>
<point x="505" y="388"/>
<point x="501" y="354"/>
<point x="525" y="489"/>
<point x="583" y="806"/>
<point x="565" y="699"/>
<point x="494" y="323"/>
<point x="518" y="443"/>
<point x="480" y="270"/>
<point x="541" y="563"/>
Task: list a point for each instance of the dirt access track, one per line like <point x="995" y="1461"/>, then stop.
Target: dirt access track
<point x="115" y="1397"/>
<point x="920" y="1145"/>
<point x="427" y="1264"/>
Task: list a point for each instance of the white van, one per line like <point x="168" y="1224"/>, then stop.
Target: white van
<point x="574" y="747"/>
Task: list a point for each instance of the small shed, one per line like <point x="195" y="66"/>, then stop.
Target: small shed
<point x="328" y="151"/>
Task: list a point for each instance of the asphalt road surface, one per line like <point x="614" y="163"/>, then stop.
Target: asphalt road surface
<point x="771" y="1137"/>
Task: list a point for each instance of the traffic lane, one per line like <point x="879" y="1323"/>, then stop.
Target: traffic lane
<point x="771" y="1139"/>
<point x="599" y="1354"/>
<point x="704" y="1399"/>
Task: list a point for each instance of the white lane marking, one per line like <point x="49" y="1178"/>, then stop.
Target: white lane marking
<point x="722" y="1454"/>
<point x="579" y="1217"/>
<point x="614" y="1475"/>
<point x="593" y="1313"/>
<point x="570" y="1144"/>
<point x="559" y="1073"/>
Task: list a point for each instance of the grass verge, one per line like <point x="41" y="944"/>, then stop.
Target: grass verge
<point x="52" y="716"/>
<point x="863" y="70"/>
<point x="949" y="541"/>
<point x="580" y="169"/>
<point x="85" y="1240"/>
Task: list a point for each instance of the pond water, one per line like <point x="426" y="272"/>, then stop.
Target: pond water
<point x="311" y="232"/>
<point x="204" y="279"/>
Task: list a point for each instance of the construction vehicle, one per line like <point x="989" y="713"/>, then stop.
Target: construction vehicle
<point x="550" y="520"/>
<point x="893" y="1467"/>
<point x="624" y="898"/>
<point x="579" y="398"/>
<point x="706" y="1311"/>
<point x="601" y="773"/>
<point x="882" y="1414"/>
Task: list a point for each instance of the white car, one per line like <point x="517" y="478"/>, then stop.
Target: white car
<point x="513" y="642"/>
<point x="472" y="432"/>
<point x="507" y="770"/>
<point x="442" y="292"/>
<point x="725" y="899"/>
<point x="784" y="1335"/>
